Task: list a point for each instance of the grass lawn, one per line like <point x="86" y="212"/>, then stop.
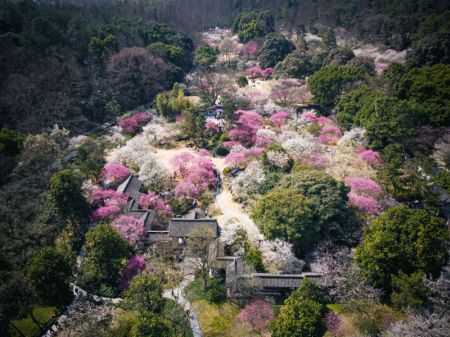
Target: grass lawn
<point x="28" y="327"/>
<point x="194" y="291"/>
<point x="215" y="319"/>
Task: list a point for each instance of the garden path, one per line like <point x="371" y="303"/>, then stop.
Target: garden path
<point x="177" y="294"/>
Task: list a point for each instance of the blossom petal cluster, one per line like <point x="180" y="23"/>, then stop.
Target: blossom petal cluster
<point x="132" y="124"/>
<point x="131" y="228"/>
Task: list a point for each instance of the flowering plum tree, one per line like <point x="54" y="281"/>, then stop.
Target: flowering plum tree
<point x="109" y="202"/>
<point x="153" y="201"/>
<point x="318" y="160"/>
<point x="278" y="257"/>
<point x="371" y="157"/>
<point x="154" y="175"/>
<point x="250" y="49"/>
<point x="247" y="126"/>
<point x="364" y="204"/>
<point x="186" y="190"/>
<point x="243" y="156"/>
<point x="114" y="173"/>
<point x="329" y="133"/>
<point x="131" y="228"/>
<point x="278" y="159"/>
<point x="356" y="137"/>
<point x="133" y="267"/>
<point x="248" y="183"/>
<point x="181" y="162"/>
<point x="203" y="152"/>
<point x="264" y="137"/>
<point x="363" y="186"/>
<point x="257" y="72"/>
<point x="279" y="118"/>
<point x="211" y="128"/>
<point x="106" y="212"/>
<point x="257" y="314"/>
<point x="133" y="124"/>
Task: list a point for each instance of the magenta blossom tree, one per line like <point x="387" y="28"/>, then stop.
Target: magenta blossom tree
<point x="364" y="204"/>
<point x="330" y="134"/>
<point x="211" y="128"/>
<point x="258" y="314"/>
<point x="250" y="49"/>
<point x="371" y="157"/>
<point x="114" y="173"/>
<point x="134" y="266"/>
<point x="106" y="212"/>
<point x="132" y="124"/>
<point x="279" y="119"/>
<point x="243" y="157"/>
<point x="107" y="197"/>
<point x="363" y="186"/>
<point x="181" y="163"/>
<point x="153" y="201"/>
<point x="318" y="160"/>
<point x="131" y="228"/>
<point x="186" y="190"/>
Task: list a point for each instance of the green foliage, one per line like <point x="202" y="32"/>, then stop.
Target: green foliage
<point x="49" y="274"/>
<point x="205" y="55"/>
<point x="307" y="290"/>
<point x="326" y="84"/>
<point x="167" y="52"/>
<point x="66" y="194"/>
<point x="193" y="125"/>
<point x="172" y="103"/>
<point x="442" y="179"/>
<point x="11" y="142"/>
<point x="274" y="50"/>
<point x="251" y="254"/>
<point x="150" y="325"/>
<point x="107" y="254"/>
<point x="145" y="294"/>
<point x="242" y="81"/>
<point x="249" y="25"/>
<point x="216" y="292"/>
<point x="286" y="214"/>
<point x="327" y="200"/>
<point x="328" y="39"/>
<point x="296" y="64"/>
<point x="351" y="103"/>
<point x="399" y="240"/>
<point x="409" y="290"/>
<point x="387" y="120"/>
<point x="299" y="319"/>
<point x="100" y="48"/>
<point x="90" y="158"/>
<point x="428" y="88"/>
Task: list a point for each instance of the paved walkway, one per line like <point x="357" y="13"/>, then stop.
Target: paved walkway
<point x="177" y="294"/>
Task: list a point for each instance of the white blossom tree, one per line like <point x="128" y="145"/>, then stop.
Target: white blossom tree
<point x="420" y="325"/>
<point x="247" y="184"/>
<point x="154" y="175"/>
<point x="279" y="258"/>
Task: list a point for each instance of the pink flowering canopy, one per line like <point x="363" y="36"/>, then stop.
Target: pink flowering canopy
<point x="330" y="134"/>
<point x="186" y="190"/>
<point x="109" y="203"/>
<point x="243" y="157"/>
<point x="371" y="157"/>
<point x="132" y="124"/>
<point x="211" y="127"/>
<point x="364" y="204"/>
<point x="131" y="228"/>
<point x="114" y="173"/>
<point x="363" y="186"/>
<point x="250" y="49"/>
<point x="318" y="161"/>
<point x="248" y="124"/>
<point x="134" y="266"/>
<point x="154" y="202"/>
<point x="203" y="152"/>
<point x="257" y="314"/>
<point x="279" y="118"/>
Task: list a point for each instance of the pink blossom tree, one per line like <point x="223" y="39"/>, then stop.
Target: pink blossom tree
<point x="203" y="152"/>
<point x="154" y="202"/>
<point x="254" y="72"/>
<point x="258" y="314"/>
<point x="186" y="190"/>
<point x="102" y="197"/>
<point x="106" y="212"/>
<point x="364" y="204"/>
<point x="318" y="160"/>
<point x="131" y="228"/>
<point x="133" y="267"/>
<point x="211" y="128"/>
<point x="114" y="173"/>
<point x="181" y="161"/>
<point x="363" y="186"/>
<point x="279" y="118"/>
<point x="371" y="157"/>
<point x="132" y="124"/>
<point x="267" y="73"/>
<point x="330" y="134"/>
<point x="250" y="49"/>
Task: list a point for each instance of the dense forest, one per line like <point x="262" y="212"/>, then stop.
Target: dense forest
<point x="330" y="154"/>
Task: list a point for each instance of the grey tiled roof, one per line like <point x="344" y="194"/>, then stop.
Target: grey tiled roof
<point x="131" y="186"/>
<point x="291" y="281"/>
<point x="181" y="228"/>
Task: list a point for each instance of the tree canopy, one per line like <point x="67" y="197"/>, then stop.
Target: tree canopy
<point x="274" y="50"/>
<point x="399" y="240"/>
